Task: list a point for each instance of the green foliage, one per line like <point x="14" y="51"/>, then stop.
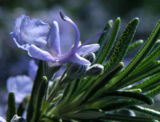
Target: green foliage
<point x="106" y="47"/>
<point x="123" y="43"/>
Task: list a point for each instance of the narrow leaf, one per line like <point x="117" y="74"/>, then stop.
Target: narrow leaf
<point x="11" y="110"/>
<point x="153" y="92"/>
<point x="22" y="106"/>
<point x="134" y="45"/>
<point x="39" y="100"/>
<point x="141" y="75"/>
<point x="147" y="111"/>
<point x="36" y="86"/>
<point x="149" y="82"/>
<point x="103" y="38"/>
<point x="109" y="44"/>
<point x="124" y="118"/>
<point x="136" y="96"/>
<point x="149" y="44"/>
<point x="101" y="81"/>
<point x="123" y="43"/>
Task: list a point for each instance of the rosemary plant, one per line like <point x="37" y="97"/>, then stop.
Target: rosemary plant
<point x="93" y="86"/>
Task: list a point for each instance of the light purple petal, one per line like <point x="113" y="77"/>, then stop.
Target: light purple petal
<point x="79" y="60"/>
<point x="77" y="38"/>
<point x="17" y="26"/>
<point x="92" y="38"/>
<point x="88" y="49"/>
<point x="34" y="31"/>
<point x="32" y="70"/>
<point x="53" y="41"/>
<point x="30" y="31"/>
<point x="40" y="54"/>
<point x="24" y="46"/>
<point x="20" y="85"/>
<point x="16" y="33"/>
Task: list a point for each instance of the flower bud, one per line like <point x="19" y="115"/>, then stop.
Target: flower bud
<point x="91" y="57"/>
<point x="17" y="119"/>
<point x="76" y="70"/>
<point x="94" y="70"/>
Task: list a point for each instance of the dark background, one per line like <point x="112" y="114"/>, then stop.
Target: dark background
<point x="90" y="16"/>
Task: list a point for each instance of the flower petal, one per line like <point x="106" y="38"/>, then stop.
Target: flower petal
<point x="24" y="46"/>
<point x="32" y="70"/>
<point x="79" y="60"/>
<point x="38" y="53"/>
<point x="92" y="38"/>
<point x="34" y="31"/>
<point x="20" y="85"/>
<point x="77" y="39"/>
<point x="30" y="31"/>
<point x="18" y="23"/>
<point x="88" y="49"/>
<point x="53" y="41"/>
<point x="16" y="33"/>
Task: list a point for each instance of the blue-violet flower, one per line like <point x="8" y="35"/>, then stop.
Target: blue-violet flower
<point x="42" y="41"/>
<point x="21" y="85"/>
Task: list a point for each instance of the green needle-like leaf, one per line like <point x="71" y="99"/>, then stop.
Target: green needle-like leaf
<point x="124" y="118"/>
<point x="154" y="91"/>
<point x="101" y="81"/>
<point x="22" y="106"/>
<point x="11" y="110"/>
<point x="143" y="74"/>
<point x="86" y="115"/>
<point x="149" y="82"/>
<point x="148" y="111"/>
<point x="37" y="82"/>
<point x="103" y="38"/>
<point x="136" y="60"/>
<point x="136" y="96"/>
<point x="134" y="45"/>
<point x="109" y="44"/>
<point x="39" y="100"/>
<point x="123" y="43"/>
<point x="149" y="59"/>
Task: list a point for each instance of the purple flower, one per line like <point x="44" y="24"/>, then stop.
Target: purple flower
<point x="42" y="41"/>
<point x="21" y="85"/>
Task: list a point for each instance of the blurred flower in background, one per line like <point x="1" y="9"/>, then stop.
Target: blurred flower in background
<point x="21" y="85"/>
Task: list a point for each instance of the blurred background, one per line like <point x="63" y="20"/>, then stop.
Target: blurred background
<point x="90" y="16"/>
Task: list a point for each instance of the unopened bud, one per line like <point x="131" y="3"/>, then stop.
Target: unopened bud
<point x="76" y="70"/>
<point x="94" y="70"/>
<point x="17" y="119"/>
<point x="91" y="57"/>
